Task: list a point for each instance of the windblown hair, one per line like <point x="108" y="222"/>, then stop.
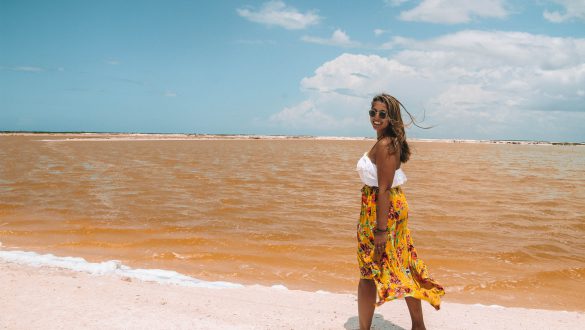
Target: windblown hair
<point x="395" y="129"/>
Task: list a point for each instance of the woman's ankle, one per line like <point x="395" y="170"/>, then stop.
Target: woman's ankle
<point x="418" y="326"/>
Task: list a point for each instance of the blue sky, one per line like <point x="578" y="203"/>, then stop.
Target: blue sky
<point x="490" y="69"/>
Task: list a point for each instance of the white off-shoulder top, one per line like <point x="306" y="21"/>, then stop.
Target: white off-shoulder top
<point x="369" y="174"/>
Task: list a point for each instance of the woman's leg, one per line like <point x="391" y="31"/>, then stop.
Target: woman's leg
<point x="366" y="303"/>
<point x="415" y="310"/>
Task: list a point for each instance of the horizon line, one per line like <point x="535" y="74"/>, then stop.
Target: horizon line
<point x="462" y="140"/>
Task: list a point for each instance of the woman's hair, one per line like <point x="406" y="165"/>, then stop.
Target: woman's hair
<point x="395" y="129"/>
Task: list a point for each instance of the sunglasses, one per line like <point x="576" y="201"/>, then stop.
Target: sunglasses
<point x="382" y="114"/>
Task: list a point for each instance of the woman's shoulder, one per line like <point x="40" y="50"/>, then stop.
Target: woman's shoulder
<point x="386" y="144"/>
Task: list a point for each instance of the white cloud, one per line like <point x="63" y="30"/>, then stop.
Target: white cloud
<point x="170" y="94"/>
<point x="338" y="38"/>
<point x="327" y="113"/>
<point x="472" y="84"/>
<point x="28" y="69"/>
<point x="379" y="32"/>
<point x="395" y="3"/>
<point x="279" y="14"/>
<point x="255" y="42"/>
<point x="454" y="11"/>
<point x="303" y="115"/>
<point x="573" y="9"/>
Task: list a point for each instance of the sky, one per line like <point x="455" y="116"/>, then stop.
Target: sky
<point x="489" y="69"/>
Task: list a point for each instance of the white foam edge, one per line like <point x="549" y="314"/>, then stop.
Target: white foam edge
<point x="116" y="268"/>
<point x="492" y="306"/>
<point x="111" y="267"/>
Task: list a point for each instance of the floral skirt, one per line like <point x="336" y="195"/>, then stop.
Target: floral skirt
<point x="398" y="272"/>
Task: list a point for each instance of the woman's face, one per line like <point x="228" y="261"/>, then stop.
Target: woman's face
<point x="378" y="123"/>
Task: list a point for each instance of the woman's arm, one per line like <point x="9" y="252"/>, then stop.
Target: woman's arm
<point x="387" y="159"/>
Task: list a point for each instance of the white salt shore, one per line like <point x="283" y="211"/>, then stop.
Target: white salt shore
<point x="94" y="136"/>
<point x="48" y="297"/>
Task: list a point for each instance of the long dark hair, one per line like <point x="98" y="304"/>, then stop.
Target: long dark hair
<point x="395" y="129"/>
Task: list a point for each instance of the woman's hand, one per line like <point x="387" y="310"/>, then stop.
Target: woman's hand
<point x="380" y="239"/>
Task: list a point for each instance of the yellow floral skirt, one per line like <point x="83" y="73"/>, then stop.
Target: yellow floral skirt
<point x="398" y="272"/>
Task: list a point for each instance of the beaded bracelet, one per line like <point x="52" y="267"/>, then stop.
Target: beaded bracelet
<point x="377" y="230"/>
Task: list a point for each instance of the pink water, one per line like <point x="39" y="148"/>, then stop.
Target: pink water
<point x="496" y="224"/>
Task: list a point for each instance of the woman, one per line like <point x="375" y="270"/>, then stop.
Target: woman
<point x="388" y="262"/>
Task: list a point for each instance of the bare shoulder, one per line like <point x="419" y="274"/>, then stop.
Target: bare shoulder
<point x="385" y="152"/>
<point x="385" y="146"/>
<point x="384" y="143"/>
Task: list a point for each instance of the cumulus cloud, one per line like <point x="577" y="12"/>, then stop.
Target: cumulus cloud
<point x="279" y="14"/>
<point x="472" y="84"/>
<point x="572" y="10"/>
<point x="338" y="38"/>
<point x="328" y="113"/>
<point x="302" y="115"/>
<point x="454" y="11"/>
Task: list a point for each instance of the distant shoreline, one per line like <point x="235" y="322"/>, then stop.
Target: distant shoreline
<point x="114" y="136"/>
